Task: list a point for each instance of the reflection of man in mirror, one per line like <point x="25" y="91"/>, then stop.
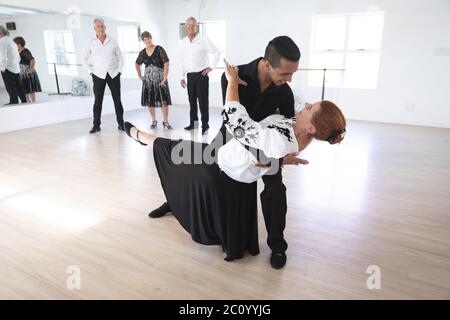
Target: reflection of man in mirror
<point x="103" y="59"/>
<point x="195" y="64"/>
<point x="9" y="66"/>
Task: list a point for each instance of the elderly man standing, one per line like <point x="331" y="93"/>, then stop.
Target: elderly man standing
<point x="196" y="66"/>
<point x="9" y="66"/>
<point x="103" y="58"/>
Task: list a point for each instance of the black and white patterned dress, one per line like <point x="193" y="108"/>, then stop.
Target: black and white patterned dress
<point x="153" y="94"/>
<point x="30" y="81"/>
<point x="264" y="141"/>
<point x="213" y="200"/>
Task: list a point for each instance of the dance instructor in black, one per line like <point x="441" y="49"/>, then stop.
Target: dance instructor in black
<point x="210" y="199"/>
<point x="263" y="91"/>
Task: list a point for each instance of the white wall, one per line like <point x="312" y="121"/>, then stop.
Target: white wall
<point x="74" y="108"/>
<point x="149" y="12"/>
<point x="409" y="75"/>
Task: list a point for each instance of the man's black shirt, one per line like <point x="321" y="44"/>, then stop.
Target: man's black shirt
<point x="261" y="105"/>
<point x="275" y="99"/>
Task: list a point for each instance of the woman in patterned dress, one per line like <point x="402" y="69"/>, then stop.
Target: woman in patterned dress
<point x="28" y="74"/>
<point x="155" y="88"/>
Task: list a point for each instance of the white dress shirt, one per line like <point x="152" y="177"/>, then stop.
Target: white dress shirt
<point x="273" y="135"/>
<point x="103" y="58"/>
<point x="194" y="54"/>
<point x="9" y="55"/>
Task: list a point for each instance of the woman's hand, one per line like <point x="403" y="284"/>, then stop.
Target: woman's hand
<point x="163" y="83"/>
<point x="232" y="73"/>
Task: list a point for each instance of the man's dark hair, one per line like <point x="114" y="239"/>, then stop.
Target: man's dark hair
<point x="281" y="47"/>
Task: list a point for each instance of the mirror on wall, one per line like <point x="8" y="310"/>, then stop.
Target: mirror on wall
<point x="51" y="46"/>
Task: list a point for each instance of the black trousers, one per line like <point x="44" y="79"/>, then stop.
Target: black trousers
<point x="198" y="89"/>
<point x="99" y="92"/>
<point x="14" y="87"/>
<point x="273" y="198"/>
<point x="274" y="207"/>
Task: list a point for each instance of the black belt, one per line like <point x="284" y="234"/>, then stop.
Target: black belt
<point x="197" y="72"/>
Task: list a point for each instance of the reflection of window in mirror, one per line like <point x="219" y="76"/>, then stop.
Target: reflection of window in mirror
<point x="216" y="32"/>
<point x="130" y="44"/>
<point x="60" y="50"/>
<point x="347" y="41"/>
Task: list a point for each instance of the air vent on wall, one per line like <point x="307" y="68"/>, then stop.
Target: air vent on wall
<point x="11" y="26"/>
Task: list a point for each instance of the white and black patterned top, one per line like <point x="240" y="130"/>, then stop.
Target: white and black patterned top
<point x="273" y="135"/>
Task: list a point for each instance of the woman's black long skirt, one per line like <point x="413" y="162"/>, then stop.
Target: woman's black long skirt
<point x="213" y="208"/>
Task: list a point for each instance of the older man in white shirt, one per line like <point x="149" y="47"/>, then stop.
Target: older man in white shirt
<point x="9" y="66"/>
<point x="104" y="60"/>
<point x="195" y="64"/>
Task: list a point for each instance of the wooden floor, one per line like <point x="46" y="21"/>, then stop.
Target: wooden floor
<point x="69" y="198"/>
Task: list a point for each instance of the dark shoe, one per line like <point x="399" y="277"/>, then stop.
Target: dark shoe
<point x="167" y="126"/>
<point x="154" y="125"/>
<point x="94" y="130"/>
<point x="161" y="211"/>
<point x="278" y="260"/>
<point x="204" y="131"/>
<point x="120" y="127"/>
<point x="190" y="127"/>
<point x="128" y="127"/>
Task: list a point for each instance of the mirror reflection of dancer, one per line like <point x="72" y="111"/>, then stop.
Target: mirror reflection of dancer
<point x="204" y="197"/>
<point x="28" y="75"/>
<point x="10" y="68"/>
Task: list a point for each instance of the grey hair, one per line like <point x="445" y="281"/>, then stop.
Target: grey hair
<point x="4" y="30"/>
<point x="99" y="20"/>
<point x="192" y="19"/>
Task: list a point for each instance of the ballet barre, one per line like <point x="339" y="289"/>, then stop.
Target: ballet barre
<point x="324" y="75"/>
<point x="313" y="69"/>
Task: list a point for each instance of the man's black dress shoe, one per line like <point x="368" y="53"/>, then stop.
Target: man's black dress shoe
<point x="278" y="260"/>
<point x="95" y="129"/>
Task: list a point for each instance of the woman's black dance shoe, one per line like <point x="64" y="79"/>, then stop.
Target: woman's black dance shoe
<point x="161" y="211"/>
<point x="127" y="125"/>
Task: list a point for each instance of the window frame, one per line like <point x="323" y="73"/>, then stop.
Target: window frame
<point x="52" y="54"/>
<point x="314" y="82"/>
<point x="129" y="74"/>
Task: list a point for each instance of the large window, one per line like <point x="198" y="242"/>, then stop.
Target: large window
<point x="351" y="42"/>
<point x="216" y="32"/>
<point x="130" y="45"/>
<point x="60" y="50"/>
